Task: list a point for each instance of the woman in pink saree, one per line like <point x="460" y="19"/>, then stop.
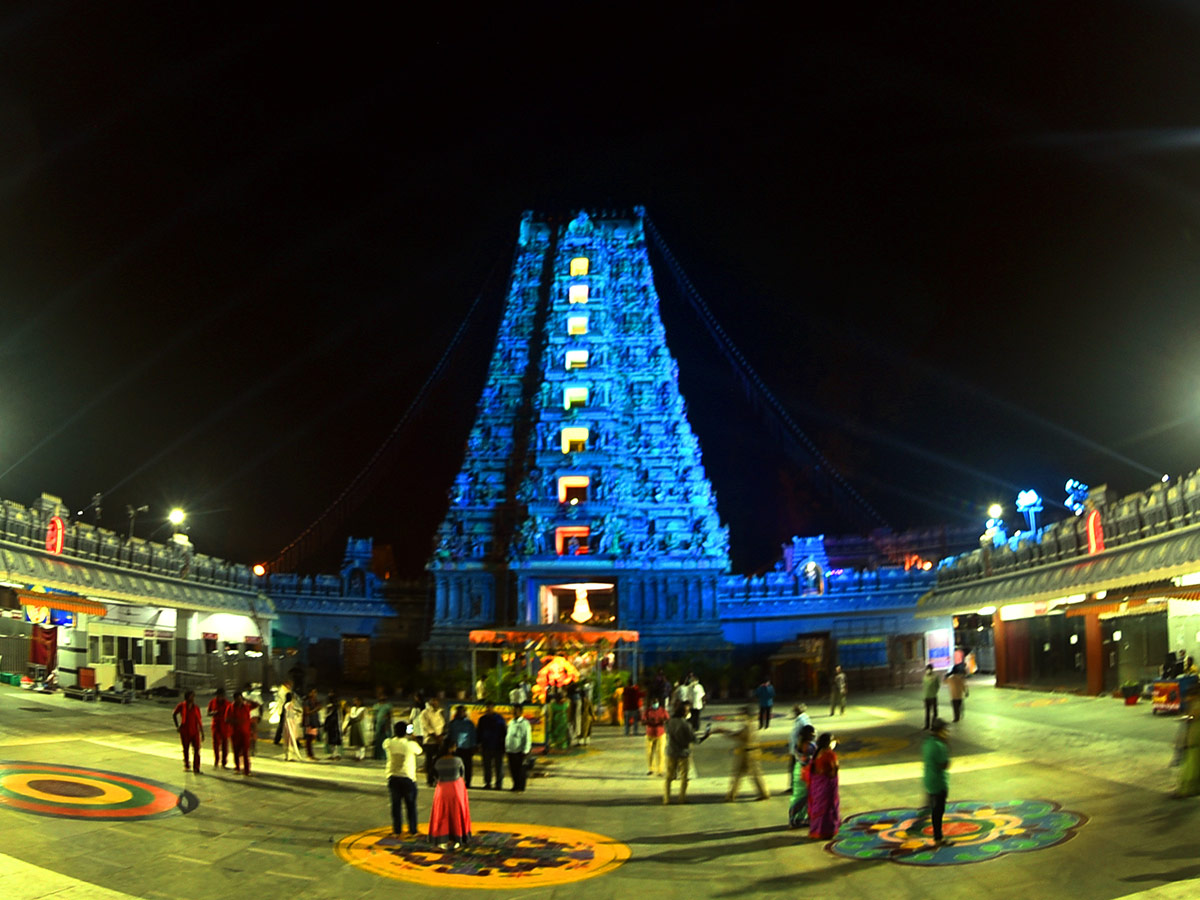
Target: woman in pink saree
<point x="824" y="804"/>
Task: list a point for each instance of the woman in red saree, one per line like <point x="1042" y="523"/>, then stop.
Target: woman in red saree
<point x="824" y="804"/>
<point x="450" y="816"/>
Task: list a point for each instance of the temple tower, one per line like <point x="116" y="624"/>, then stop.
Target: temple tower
<point x="582" y="497"/>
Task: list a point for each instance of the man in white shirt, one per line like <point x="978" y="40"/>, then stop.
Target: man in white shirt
<point x="695" y="698"/>
<point x="518" y="741"/>
<point x="402" y="752"/>
<point x="433" y="733"/>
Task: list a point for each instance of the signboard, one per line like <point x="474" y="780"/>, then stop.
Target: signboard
<point x="939" y="648"/>
<point x="209" y="635"/>
<point x="44" y="615"/>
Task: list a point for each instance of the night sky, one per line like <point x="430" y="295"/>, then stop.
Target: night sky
<point x="960" y="243"/>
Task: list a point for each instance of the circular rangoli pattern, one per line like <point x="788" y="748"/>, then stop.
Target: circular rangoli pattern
<point x="973" y="832"/>
<point x="500" y="855"/>
<point x="73" y="792"/>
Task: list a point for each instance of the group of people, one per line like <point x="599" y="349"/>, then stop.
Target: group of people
<point x="232" y="722"/>
<point x="956" y="684"/>
<point x="815" y="799"/>
<point x="448" y="753"/>
<point x="301" y="720"/>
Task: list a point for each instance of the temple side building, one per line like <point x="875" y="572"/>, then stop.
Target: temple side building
<point x="582" y="500"/>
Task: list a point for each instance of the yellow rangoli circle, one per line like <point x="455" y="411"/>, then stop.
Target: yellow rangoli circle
<point x="500" y="855"/>
<point x="23" y="783"/>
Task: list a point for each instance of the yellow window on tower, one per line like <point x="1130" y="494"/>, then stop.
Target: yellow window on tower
<point x="579" y="266"/>
<point x="573" y="489"/>
<point x="577" y="293"/>
<point x="577" y="325"/>
<point x="575" y="397"/>
<point x="577" y="359"/>
<point x="572" y="540"/>
<point x="574" y="440"/>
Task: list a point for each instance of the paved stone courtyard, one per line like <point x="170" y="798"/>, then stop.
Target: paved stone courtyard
<point x="1051" y="796"/>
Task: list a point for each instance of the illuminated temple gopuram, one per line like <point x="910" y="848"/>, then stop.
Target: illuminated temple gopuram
<point x="582" y="499"/>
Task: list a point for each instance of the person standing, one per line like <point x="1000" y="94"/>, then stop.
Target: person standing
<point x="450" y="813"/>
<point x="695" y="698"/>
<point x="631" y="707"/>
<point x="333" y="727"/>
<point x="680" y="738"/>
<point x="461" y="732"/>
<point x="190" y="725"/>
<point x="747" y="757"/>
<point x="956" y="684"/>
<point x="935" y="761"/>
<point x="765" y="693"/>
<point x="382" y="716"/>
<point x="837" y="691"/>
<point x="292" y="721"/>
<point x="660" y="688"/>
<point x="930" y="685"/>
<point x="433" y="735"/>
<point x="804" y="752"/>
<point x="1187" y="749"/>
<point x="518" y="741"/>
<point x="401" y="752"/>
<point x="312" y="722"/>
<point x="218" y="711"/>
<point x="277" y="718"/>
<point x="655" y="720"/>
<point x="587" y="715"/>
<point x="800" y="711"/>
<point x="241" y="725"/>
<point x="560" y="737"/>
<point x="489" y="732"/>
<point x="824" y="800"/>
<point x="353" y="728"/>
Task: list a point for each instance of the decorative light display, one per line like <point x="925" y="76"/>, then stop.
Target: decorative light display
<point x="1077" y="494"/>
<point x="1029" y="504"/>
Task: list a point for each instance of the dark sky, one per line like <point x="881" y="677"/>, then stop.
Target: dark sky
<point x="960" y="243"/>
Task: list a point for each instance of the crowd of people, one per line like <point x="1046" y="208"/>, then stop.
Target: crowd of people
<point x="417" y="742"/>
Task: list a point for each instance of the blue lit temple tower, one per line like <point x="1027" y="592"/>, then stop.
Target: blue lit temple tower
<point x="582" y="497"/>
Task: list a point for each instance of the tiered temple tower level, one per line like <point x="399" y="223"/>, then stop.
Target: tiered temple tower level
<point x="582" y="496"/>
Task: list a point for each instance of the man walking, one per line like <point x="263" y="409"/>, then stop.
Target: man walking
<point x="518" y="741"/>
<point x="956" y="684"/>
<point x="935" y="758"/>
<point x="747" y="757"/>
<point x="837" y="691"/>
<point x="190" y="726"/>
<point x="929" y="690"/>
<point x="680" y="738"/>
<point x="218" y="712"/>
<point x="765" y="693"/>
<point x="461" y="732"/>
<point x="402" y="752"/>
<point x="490" y="735"/>
<point x="241" y="730"/>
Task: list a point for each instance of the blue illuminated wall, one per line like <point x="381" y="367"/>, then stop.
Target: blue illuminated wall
<point x="581" y="469"/>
